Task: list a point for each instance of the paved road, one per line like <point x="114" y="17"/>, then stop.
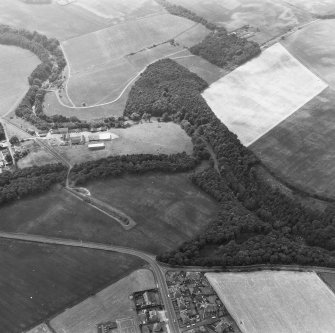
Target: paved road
<point x="149" y="258"/>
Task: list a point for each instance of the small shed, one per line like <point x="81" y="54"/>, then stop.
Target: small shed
<point x="96" y="146"/>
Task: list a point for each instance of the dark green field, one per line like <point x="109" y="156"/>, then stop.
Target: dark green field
<point x="37" y="281"/>
<point x="168" y="210"/>
<point x="329" y="279"/>
<point x="301" y="148"/>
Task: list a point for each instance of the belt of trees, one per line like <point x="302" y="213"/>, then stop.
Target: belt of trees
<point x="2" y="133"/>
<point x="256" y="223"/>
<point x="220" y="48"/>
<point x="138" y="164"/>
<point x="28" y="181"/>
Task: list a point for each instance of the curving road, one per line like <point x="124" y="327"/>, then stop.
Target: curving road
<point x="149" y="258"/>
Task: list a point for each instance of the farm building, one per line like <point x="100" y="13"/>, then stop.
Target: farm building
<point x="75" y="140"/>
<point x="100" y="137"/>
<point x="96" y="146"/>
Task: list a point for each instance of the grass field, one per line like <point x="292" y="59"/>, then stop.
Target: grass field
<point x="146" y="138"/>
<point x="37" y="281"/>
<point x="14" y="82"/>
<point x="276" y="302"/>
<point x="272" y="18"/>
<point x="100" y="72"/>
<point x="314" y="45"/>
<point x="53" y="20"/>
<point x="260" y="94"/>
<point x="304" y="141"/>
<point x="168" y="210"/>
<point x="111" y="304"/>
<point x="36" y="157"/>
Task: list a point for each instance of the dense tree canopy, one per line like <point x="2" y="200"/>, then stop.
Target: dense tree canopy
<point x="256" y="223"/>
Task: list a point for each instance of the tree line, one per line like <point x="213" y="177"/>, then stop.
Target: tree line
<point x="220" y="48"/>
<point x="186" y="13"/>
<point x="115" y="166"/>
<point x="28" y="181"/>
<point x="2" y="133"/>
<point x="256" y="223"/>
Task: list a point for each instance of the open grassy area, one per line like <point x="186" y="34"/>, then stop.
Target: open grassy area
<point x="146" y="138"/>
<point x="314" y="46"/>
<point x="258" y="95"/>
<point x="304" y="141"/>
<point x="268" y="18"/>
<point x="37" y="156"/>
<point x="100" y="72"/>
<point x="37" y="281"/>
<point x="14" y="82"/>
<point x="168" y="210"/>
<point x="269" y="301"/>
<point x="111" y="304"/>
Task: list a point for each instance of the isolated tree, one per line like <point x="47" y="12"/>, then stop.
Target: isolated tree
<point x="14" y="140"/>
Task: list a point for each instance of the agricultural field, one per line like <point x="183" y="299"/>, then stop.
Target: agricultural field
<point x="37" y="156"/>
<point x="314" y="46"/>
<point x="257" y="96"/>
<point x="43" y="328"/>
<point x="53" y="20"/>
<point x="168" y="210"/>
<point x="37" y="281"/>
<point x="120" y="11"/>
<point x="146" y="138"/>
<point x="304" y="141"/>
<point x="329" y="279"/>
<point x="14" y="83"/>
<point x="276" y="301"/>
<point x="99" y="73"/>
<point x="110" y="304"/>
<point x="267" y="19"/>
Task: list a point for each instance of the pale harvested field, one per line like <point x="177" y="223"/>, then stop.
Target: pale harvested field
<point x="110" y="304"/>
<point x="314" y="46"/>
<point x="14" y="82"/>
<point x="276" y="302"/>
<point x="260" y="94"/>
<point x="321" y="7"/>
<point x="146" y="138"/>
<point x="272" y="18"/>
<point x="100" y="72"/>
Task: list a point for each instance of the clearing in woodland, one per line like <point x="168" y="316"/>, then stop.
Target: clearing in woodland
<point x="260" y="94"/>
<point x="14" y="82"/>
<point x="273" y="302"/>
<point x="146" y="138"/>
<point x="110" y="304"/>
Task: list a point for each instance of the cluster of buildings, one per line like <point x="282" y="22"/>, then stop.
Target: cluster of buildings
<point x="198" y="308"/>
<point x="150" y="312"/>
<point x="107" y="327"/>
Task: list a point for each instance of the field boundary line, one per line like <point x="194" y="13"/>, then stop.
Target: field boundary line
<point x="122" y="92"/>
<point x="326" y="85"/>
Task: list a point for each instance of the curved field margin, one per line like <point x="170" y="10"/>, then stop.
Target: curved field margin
<point x="117" y="55"/>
